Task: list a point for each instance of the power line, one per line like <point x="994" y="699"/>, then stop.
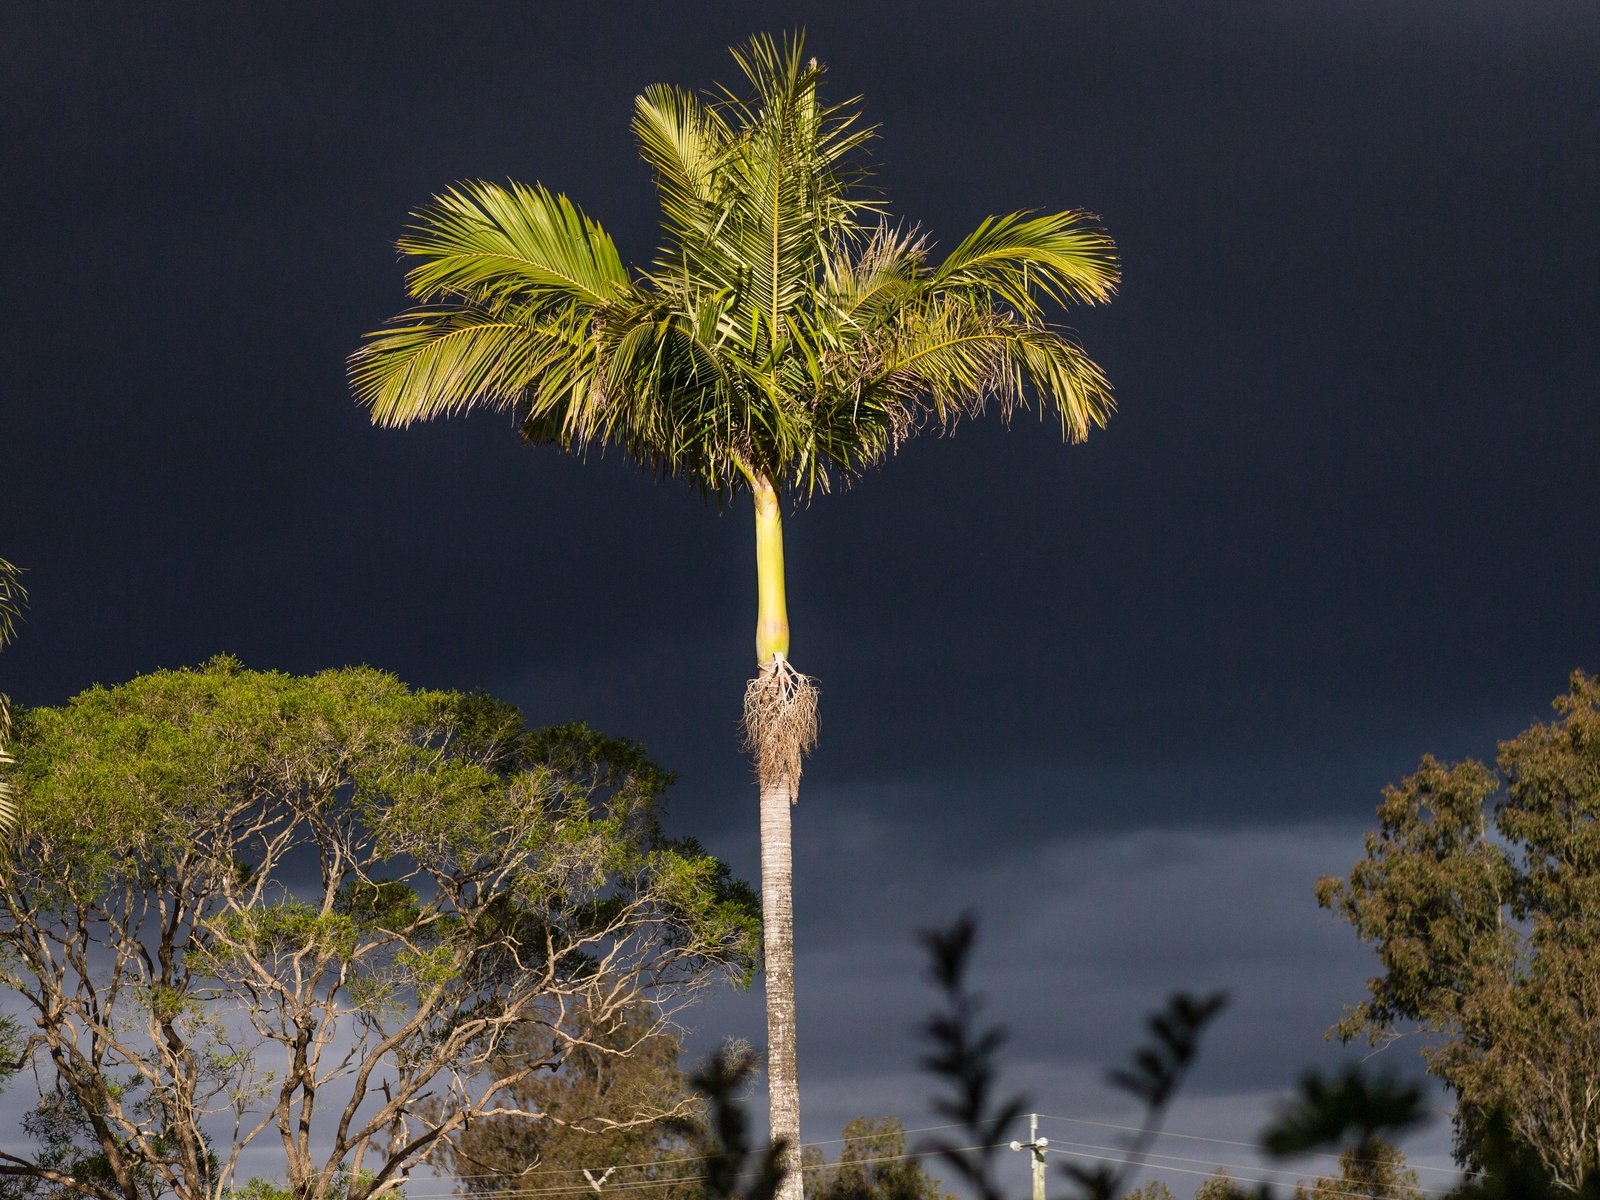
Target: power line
<point x="645" y="1184"/>
<point x="1250" y="1173"/>
<point x="1192" y="1137"/>
<point x="656" y="1162"/>
<point x="1260" y="1175"/>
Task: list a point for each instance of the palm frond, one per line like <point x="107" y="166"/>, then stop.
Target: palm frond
<point x="946" y="358"/>
<point x="684" y="143"/>
<point x="662" y="394"/>
<point x="13" y="596"/>
<point x="883" y="276"/>
<point x="1061" y="257"/>
<point x="444" y="359"/>
<point x="480" y="240"/>
<point x="1064" y="377"/>
<point x="953" y="359"/>
<point x="790" y="186"/>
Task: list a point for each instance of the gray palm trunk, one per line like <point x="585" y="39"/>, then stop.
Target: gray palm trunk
<point x="777" y="913"/>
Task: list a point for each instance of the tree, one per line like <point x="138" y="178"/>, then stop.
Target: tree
<point x="1480" y="890"/>
<point x="12" y="597"/>
<point x="1378" y="1172"/>
<point x="1219" y="1185"/>
<point x="249" y="905"/>
<point x="787" y="335"/>
<point x="873" y="1165"/>
<point x="1154" y="1190"/>
<point x="615" y="1106"/>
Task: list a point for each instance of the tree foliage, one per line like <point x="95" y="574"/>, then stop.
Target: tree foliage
<point x="1153" y="1190"/>
<point x="1375" y="1172"/>
<point x="615" y="1112"/>
<point x="12" y="598"/>
<point x="873" y="1165"/>
<point x="255" y="906"/>
<point x="1219" y="1185"/>
<point x="1480" y="890"/>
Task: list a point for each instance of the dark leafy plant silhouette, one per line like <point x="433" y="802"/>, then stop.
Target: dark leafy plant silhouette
<point x="735" y="1167"/>
<point x="1352" y="1111"/>
<point x="967" y="1058"/>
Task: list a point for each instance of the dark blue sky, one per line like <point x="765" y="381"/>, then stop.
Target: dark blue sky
<point x="1126" y="699"/>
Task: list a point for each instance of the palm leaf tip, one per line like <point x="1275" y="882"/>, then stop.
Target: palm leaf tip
<point x="13" y="598"/>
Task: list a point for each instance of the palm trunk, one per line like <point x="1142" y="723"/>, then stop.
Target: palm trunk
<point x="778" y="779"/>
<point x="777" y="915"/>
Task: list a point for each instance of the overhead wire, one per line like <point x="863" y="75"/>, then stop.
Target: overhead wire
<point x="1249" y="1172"/>
<point x="644" y="1184"/>
<point x="703" y="1157"/>
<point x="1193" y="1137"/>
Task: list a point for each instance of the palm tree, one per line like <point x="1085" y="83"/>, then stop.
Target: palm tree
<point x="12" y="597"/>
<point x="787" y="336"/>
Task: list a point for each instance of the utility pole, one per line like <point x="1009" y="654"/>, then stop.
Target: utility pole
<point x="1037" y="1145"/>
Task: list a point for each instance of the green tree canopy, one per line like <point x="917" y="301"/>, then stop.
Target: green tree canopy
<point x="1219" y="1185"/>
<point x="1480" y="890"/>
<point x="1377" y="1171"/>
<point x="250" y="905"/>
<point x="872" y="1165"/>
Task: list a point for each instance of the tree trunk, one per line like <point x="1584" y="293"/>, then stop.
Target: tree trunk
<point x="777" y="864"/>
<point x="777" y="915"/>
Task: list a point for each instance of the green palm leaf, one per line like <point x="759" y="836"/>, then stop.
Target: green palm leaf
<point x="480" y="240"/>
<point x="12" y="598"/>
<point x="440" y="360"/>
<point x="685" y="143"/>
<point x="1018" y="259"/>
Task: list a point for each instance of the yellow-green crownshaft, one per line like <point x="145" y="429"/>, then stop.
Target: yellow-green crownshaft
<point x="772" y="614"/>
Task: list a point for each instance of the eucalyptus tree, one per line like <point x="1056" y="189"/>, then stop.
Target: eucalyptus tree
<point x="1480" y="892"/>
<point x="321" y="912"/>
<point x="786" y="337"/>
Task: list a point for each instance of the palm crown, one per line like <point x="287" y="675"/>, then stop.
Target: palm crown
<point x="786" y="333"/>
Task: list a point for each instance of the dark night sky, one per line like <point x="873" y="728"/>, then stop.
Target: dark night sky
<point x="1126" y="699"/>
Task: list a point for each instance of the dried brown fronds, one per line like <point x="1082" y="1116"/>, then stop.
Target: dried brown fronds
<point x="780" y="722"/>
